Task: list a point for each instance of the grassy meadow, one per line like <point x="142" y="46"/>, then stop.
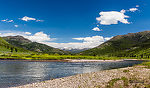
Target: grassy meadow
<point x="35" y="56"/>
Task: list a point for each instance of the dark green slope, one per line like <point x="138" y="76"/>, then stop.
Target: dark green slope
<point x="22" y="42"/>
<point x="5" y="47"/>
<point x="129" y="45"/>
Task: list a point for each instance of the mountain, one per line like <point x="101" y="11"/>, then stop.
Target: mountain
<point x="129" y="45"/>
<point x="5" y="47"/>
<point x="24" y="43"/>
<point x="74" y="51"/>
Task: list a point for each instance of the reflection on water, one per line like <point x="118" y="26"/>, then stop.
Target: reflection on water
<point x="13" y="73"/>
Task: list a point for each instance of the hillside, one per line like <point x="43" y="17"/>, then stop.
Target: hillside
<point x="129" y="45"/>
<point x="5" y="47"/>
<point x="24" y="43"/>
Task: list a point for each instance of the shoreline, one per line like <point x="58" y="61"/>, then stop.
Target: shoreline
<point x="99" y="79"/>
<point x="85" y="60"/>
<point x="71" y="60"/>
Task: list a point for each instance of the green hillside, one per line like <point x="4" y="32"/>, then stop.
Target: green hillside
<point x="129" y="45"/>
<point x="5" y="48"/>
<point x="18" y="48"/>
<point x="24" y="43"/>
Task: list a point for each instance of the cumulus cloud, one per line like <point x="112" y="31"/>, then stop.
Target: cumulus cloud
<point x="91" y="39"/>
<point x="71" y="45"/>
<point x="28" y="33"/>
<point x="96" y="29"/>
<point x="87" y="42"/>
<point x="25" y="18"/>
<point x="112" y="17"/>
<point x="6" y="20"/>
<point x="108" y="38"/>
<point x="133" y="9"/>
<point x="39" y="37"/>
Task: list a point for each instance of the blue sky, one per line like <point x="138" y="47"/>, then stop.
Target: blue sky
<point x="69" y="23"/>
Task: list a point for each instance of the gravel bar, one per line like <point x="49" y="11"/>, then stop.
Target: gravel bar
<point x="97" y="79"/>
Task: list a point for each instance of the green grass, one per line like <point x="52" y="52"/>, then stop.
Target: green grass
<point x="125" y="71"/>
<point x="146" y="64"/>
<point x="113" y="81"/>
<point x="34" y="56"/>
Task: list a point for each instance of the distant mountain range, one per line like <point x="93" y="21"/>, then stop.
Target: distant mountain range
<point x="74" y="51"/>
<point x="21" y="42"/>
<point x="129" y="45"/>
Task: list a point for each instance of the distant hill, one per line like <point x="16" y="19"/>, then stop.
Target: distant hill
<point x="129" y="45"/>
<point x="74" y="51"/>
<point x="24" y="43"/>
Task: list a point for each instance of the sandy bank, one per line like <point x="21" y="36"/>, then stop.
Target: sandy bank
<point x="134" y="76"/>
<point x="84" y="60"/>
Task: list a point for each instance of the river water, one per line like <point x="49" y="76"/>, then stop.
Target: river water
<point x="14" y="73"/>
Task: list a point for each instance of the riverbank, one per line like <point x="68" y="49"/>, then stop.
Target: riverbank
<point x="69" y="60"/>
<point x="130" y="77"/>
<point x="84" y="60"/>
<point x="59" y="57"/>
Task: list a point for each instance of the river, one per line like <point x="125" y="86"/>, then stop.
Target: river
<point x="15" y="73"/>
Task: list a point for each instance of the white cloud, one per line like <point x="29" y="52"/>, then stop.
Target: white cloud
<point x="16" y="26"/>
<point x="123" y="11"/>
<point x="3" y="20"/>
<point x="39" y="20"/>
<point x="25" y="18"/>
<point x="10" y="21"/>
<point x="91" y="39"/>
<point x="11" y="33"/>
<point x="7" y="34"/>
<point x="108" y="38"/>
<point x="6" y="20"/>
<point x="39" y="37"/>
<point x="87" y="42"/>
<point x="112" y="17"/>
<point x="133" y="9"/>
<point x="96" y="29"/>
<point x="28" y="33"/>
